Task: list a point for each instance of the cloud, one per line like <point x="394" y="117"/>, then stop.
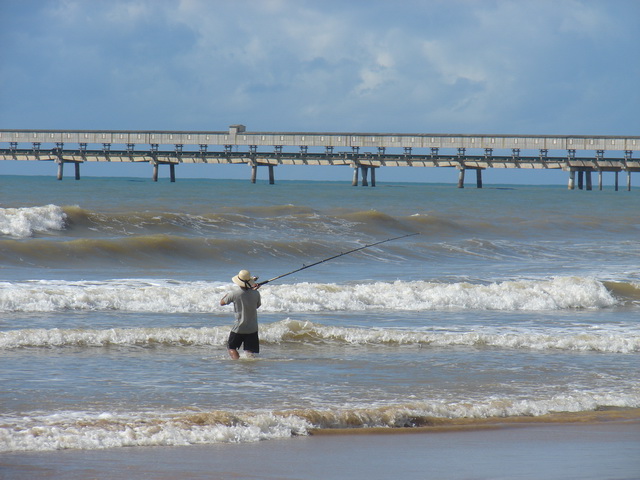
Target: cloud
<point x="459" y="65"/>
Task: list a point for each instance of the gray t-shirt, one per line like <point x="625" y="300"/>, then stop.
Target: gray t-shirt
<point x="245" y="305"/>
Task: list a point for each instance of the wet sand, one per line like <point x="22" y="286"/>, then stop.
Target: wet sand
<point x="585" y="451"/>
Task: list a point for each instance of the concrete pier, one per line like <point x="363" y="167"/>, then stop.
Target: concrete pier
<point x="461" y="172"/>
<point x="363" y="152"/>
<point x="461" y="176"/>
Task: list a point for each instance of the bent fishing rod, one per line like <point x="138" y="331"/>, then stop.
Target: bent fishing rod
<point x="336" y="256"/>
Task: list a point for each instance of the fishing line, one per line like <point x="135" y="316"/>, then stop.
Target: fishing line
<point x="336" y="256"/>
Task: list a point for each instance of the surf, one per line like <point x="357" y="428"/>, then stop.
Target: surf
<point x="25" y="222"/>
<point x="100" y="430"/>
<point x="290" y="331"/>
<point x="167" y="295"/>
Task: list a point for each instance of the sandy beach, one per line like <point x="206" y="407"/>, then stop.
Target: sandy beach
<point x="598" y="451"/>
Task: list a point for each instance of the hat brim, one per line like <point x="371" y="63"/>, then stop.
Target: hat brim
<point x="241" y="283"/>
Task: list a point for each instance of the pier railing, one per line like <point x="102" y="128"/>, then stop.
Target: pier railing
<point x="363" y="152"/>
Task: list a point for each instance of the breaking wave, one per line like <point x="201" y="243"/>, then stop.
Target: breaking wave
<point x="295" y="331"/>
<point x="169" y="296"/>
<point x="91" y="431"/>
<point x="25" y="222"/>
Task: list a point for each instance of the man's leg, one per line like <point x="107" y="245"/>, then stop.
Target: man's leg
<point x="252" y="345"/>
<point x="233" y="344"/>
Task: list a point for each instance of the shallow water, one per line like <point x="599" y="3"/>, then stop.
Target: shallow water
<point x="511" y="301"/>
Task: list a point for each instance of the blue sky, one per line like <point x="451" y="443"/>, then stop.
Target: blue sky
<point x="452" y="66"/>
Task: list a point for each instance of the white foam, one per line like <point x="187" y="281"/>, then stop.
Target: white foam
<point x="24" y="222"/>
<point x="55" y="337"/>
<point x="166" y="296"/>
<point x="88" y="430"/>
<point x="609" y="341"/>
<point x="554" y="294"/>
<point x="131" y="295"/>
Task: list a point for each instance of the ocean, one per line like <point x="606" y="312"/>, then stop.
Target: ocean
<point x="513" y="302"/>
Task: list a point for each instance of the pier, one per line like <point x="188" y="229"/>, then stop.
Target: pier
<point x="364" y="153"/>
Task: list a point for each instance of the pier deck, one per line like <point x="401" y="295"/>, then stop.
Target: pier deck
<point x="363" y="152"/>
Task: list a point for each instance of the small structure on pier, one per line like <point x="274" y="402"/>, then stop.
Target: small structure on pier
<point x="363" y="152"/>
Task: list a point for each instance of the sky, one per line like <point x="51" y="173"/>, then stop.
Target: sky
<point x="557" y="67"/>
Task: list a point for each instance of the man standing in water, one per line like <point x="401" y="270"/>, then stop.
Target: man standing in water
<point x="246" y="301"/>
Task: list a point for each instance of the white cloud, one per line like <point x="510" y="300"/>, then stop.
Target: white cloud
<point x="454" y="64"/>
<point x="376" y="65"/>
<point x="584" y="18"/>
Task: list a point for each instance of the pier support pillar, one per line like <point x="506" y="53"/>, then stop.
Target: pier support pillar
<point x="628" y="180"/>
<point x="373" y="176"/>
<point x="365" y="170"/>
<point x="172" y="171"/>
<point x="599" y="179"/>
<point x="617" y="180"/>
<point x="354" y="182"/>
<point x="155" y="172"/>
<point x="572" y="179"/>
<point x="254" y="173"/>
<point x="60" y="169"/>
<point x="77" y="165"/>
<point x="461" y="177"/>
<point x="479" y="177"/>
<point x="580" y="179"/>
<point x="588" y="179"/>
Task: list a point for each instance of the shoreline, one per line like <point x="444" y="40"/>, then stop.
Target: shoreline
<point x="438" y="425"/>
<point x="581" y="445"/>
<point x="554" y="451"/>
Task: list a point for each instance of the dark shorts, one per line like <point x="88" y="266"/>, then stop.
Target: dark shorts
<point x="250" y="340"/>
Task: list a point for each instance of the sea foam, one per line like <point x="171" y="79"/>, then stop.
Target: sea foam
<point x="296" y="331"/>
<point x="167" y="296"/>
<point x="24" y="222"/>
<point x="91" y="431"/>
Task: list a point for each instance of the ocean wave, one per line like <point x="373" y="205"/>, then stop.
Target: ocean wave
<point x="131" y="295"/>
<point x="56" y="337"/>
<point x="129" y="223"/>
<point x="148" y="251"/>
<point x="629" y="291"/>
<point x="92" y="431"/>
<point x="168" y="296"/>
<point x="558" y="293"/>
<point x="220" y="221"/>
<point x="25" y="222"/>
<point x="296" y="220"/>
<point x="306" y="332"/>
<point x="98" y="431"/>
<point x="309" y="332"/>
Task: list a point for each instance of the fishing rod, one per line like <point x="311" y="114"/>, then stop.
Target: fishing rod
<point x="336" y="256"/>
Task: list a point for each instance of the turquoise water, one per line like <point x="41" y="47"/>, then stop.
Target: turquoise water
<point x="512" y="300"/>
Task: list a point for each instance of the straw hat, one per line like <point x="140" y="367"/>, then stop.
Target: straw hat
<point x="244" y="279"/>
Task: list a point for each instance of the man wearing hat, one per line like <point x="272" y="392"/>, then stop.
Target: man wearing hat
<point x="246" y="301"/>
